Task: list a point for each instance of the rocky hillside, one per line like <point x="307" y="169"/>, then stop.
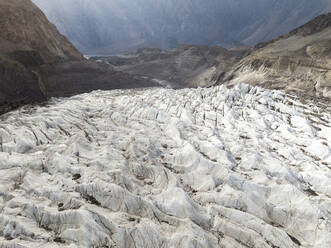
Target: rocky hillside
<point x="21" y="22"/>
<point x="27" y="40"/>
<point x="299" y="61"/>
<point x="113" y="26"/>
<point x="36" y="61"/>
<point x="185" y="66"/>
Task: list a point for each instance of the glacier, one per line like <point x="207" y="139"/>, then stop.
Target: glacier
<point x="205" y="167"/>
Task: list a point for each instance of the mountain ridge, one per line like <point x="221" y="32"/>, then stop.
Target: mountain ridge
<point x="299" y="61"/>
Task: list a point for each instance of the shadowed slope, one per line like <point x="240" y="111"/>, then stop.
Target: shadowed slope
<point x="37" y="62"/>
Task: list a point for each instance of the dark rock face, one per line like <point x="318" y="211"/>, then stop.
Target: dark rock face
<point x="17" y="83"/>
<point x="27" y="40"/>
<point x="185" y="66"/>
<point x="112" y="26"/>
<point x="316" y="25"/>
<point x="299" y="61"/>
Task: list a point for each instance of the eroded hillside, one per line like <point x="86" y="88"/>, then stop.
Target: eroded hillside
<point x="298" y="62"/>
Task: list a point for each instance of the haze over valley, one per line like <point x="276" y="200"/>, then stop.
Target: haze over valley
<point x="125" y="25"/>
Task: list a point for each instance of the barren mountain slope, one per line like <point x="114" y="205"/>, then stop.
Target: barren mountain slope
<point x="299" y="61"/>
<point x="201" y="168"/>
<point x="21" y="22"/>
<point x="27" y="40"/>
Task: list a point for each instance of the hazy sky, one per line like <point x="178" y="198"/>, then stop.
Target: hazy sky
<point x="118" y="25"/>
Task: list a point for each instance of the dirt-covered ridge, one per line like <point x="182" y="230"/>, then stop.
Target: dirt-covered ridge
<point x="298" y="62"/>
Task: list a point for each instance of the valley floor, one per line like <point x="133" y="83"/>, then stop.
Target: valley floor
<point x="212" y="167"/>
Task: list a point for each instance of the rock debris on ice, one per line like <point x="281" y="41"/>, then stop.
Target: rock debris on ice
<point x="214" y="167"/>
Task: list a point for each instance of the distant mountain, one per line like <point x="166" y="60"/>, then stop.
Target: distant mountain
<point x="299" y="61"/>
<point x="114" y="26"/>
<point x="184" y="66"/>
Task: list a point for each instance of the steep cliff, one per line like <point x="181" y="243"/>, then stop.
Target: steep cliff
<point x="21" y="22"/>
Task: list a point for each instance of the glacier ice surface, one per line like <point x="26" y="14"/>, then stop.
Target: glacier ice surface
<point x="211" y="167"/>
